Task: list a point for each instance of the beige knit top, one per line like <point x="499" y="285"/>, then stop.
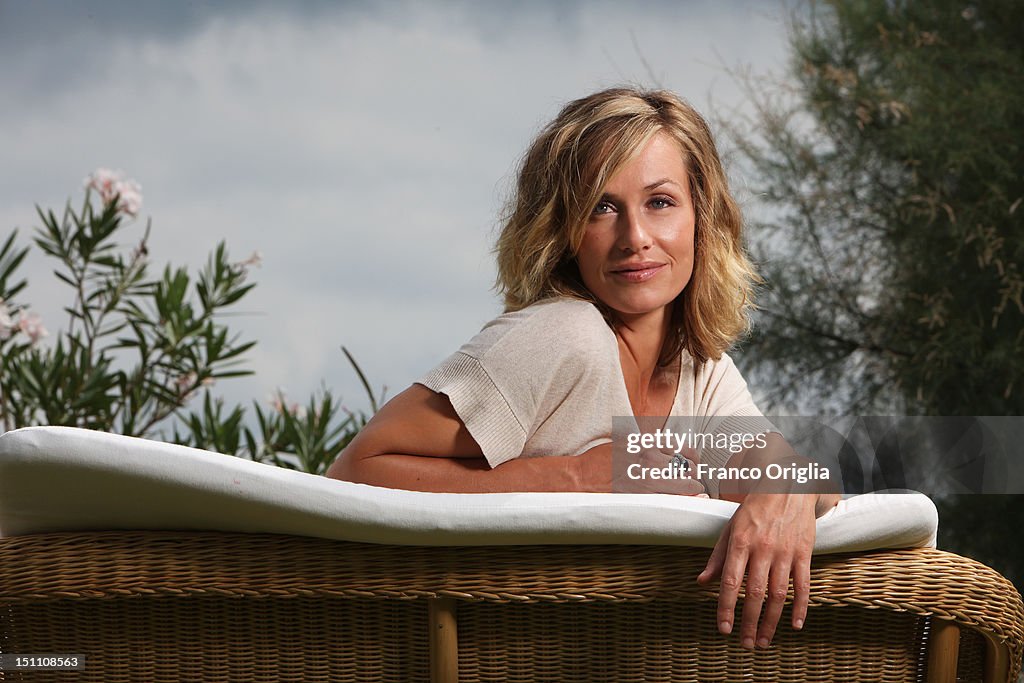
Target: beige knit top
<point x="546" y="380"/>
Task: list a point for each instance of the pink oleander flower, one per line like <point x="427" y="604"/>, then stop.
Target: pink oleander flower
<point x="277" y="402"/>
<point x="110" y="184"/>
<point x="256" y="259"/>
<point x="32" y="326"/>
<point x="185" y="382"/>
<point x="7" y="325"/>
<point x="131" y="198"/>
<point x="103" y="180"/>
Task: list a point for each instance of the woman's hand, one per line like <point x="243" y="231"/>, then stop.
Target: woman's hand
<point x="769" y="538"/>
<point x="653" y="464"/>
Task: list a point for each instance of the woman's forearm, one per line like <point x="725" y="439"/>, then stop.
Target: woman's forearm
<point x="588" y="472"/>
<point x="777" y="451"/>
<point x="417" y="442"/>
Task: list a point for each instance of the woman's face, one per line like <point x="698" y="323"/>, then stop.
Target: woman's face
<point x="637" y="251"/>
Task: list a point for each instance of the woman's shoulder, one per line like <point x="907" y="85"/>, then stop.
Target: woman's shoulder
<point x="718" y="386"/>
<point x="556" y="311"/>
<point x="549" y="326"/>
<point x="711" y="366"/>
<point x="557" y="356"/>
<point x="709" y="373"/>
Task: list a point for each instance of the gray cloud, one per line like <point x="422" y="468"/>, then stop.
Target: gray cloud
<point x="365" y="149"/>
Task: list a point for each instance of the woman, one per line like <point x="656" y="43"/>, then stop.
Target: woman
<point x="625" y="281"/>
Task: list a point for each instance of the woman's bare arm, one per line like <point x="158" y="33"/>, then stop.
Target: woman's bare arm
<point x="417" y="442"/>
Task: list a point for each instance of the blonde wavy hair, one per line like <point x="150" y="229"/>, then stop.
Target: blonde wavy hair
<point x="561" y="179"/>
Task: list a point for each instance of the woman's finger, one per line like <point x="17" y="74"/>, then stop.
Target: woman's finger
<point x="801" y="589"/>
<point x="733" y="568"/>
<point x="778" y="588"/>
<point x="757" y="581"/>
<point x="713" y="568"/>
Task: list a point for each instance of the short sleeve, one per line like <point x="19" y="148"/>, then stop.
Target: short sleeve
<point x="723" y="391"/>
<point x="481" y="405"/>
<point x="521" y="367"/>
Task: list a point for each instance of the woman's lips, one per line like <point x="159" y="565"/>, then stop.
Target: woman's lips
<point x="638" y="273"/>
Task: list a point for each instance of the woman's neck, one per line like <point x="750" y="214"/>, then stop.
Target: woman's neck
<point x="641" y="339"/>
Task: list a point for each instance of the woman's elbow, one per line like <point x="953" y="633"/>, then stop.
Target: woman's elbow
<point x="350" y="465"/>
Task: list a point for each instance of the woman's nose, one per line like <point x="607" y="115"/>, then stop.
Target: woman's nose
<point x="633" y="234"/>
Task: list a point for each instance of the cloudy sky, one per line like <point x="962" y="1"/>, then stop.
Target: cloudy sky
<point x="364" y="149"/>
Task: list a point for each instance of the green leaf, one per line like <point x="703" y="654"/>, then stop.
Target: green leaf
<point x="10" y="259"/>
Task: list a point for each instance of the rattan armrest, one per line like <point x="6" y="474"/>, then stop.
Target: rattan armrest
<point x="931" y="583"/>
<point x="292" y="594"/>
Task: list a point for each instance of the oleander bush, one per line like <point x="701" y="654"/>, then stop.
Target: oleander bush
<point x="140" y="352"/>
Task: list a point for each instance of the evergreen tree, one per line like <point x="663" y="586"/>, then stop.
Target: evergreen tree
<point x="893" y="179"/>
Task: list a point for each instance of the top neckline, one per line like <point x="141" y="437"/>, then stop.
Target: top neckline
<point x="624" y="401"/>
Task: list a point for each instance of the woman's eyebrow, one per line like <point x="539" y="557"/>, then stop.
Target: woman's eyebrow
<point x="656" y="184"/>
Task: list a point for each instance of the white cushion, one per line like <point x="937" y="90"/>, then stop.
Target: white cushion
<point x="67" y="479"/>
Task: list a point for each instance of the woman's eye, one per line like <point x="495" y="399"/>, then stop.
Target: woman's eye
<point x="603" y="207"/>
<point x="661" y="202"/>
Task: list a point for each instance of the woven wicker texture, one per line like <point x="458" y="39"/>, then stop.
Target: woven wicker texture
<point x="972" y="656"/>
<point x="223" y="639"/>
<point x="633" y="612"/>
<point x="668" y="641"/>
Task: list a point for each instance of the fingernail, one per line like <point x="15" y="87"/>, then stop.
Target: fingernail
<point x="762" y="642"/>
<point x="799" y="624"/>
<point x="725" y="627"/>
<point x="748" y="643"/>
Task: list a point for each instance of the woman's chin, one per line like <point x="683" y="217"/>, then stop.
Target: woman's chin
<point x="638" y="308"/>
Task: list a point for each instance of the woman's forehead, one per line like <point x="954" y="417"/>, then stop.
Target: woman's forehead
<point x="658" y="158"/>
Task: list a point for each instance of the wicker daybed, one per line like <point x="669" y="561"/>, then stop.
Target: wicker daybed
<point x="159" y="563"/>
